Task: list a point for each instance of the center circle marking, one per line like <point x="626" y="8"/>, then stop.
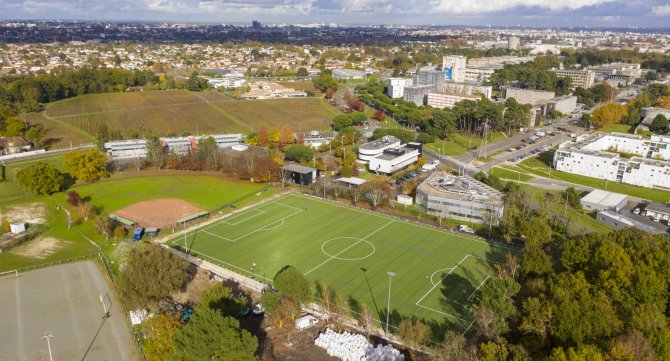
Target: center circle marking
<point x="356" y="240"/>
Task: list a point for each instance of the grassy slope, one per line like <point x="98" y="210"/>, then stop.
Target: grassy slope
<point x="287" y="233"/>
<point x="459" y="143"/>
<point x="116" y="193"/>
<point x="77" y="119"/>
<point x="206" y="192"/>
<point x="539" y="166"/>
<point x="9" y="189"/>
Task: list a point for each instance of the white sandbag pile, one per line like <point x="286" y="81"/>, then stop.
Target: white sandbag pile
<point x="354" y="347"/>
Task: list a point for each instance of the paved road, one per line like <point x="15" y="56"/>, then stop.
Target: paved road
<point x="546" y="141"/>
<point x="494" y="147"/>
<point x="64" y="301"/>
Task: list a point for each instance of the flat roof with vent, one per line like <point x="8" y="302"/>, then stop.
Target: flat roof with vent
<point x="604" y="198"/>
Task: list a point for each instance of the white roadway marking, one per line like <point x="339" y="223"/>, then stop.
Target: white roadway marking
<point x="346" y="249"/>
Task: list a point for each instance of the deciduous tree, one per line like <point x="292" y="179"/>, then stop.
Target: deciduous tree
<point x="149" y="274"/>
<point x="211" y="336"/>
<point x="86" y="166"/>
<point x="40" y="178"/>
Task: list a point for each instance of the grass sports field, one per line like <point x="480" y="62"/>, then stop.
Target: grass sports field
<point x="438" y="274"/>
<point x="77" y="119"/>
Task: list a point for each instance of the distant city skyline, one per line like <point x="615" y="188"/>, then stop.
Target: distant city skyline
<point x="566" y="13"/>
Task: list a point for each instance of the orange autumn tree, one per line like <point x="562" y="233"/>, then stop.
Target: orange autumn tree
<point x="608" y="115"/>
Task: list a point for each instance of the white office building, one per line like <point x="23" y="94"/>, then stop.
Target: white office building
<point x="223" y="140"/>
<point x="453" y="67"/>
<point x="418" y="94"/>
<point x="394" y="159"/>
<point x="396" y="87"/>
<point x="314" y="139"/>
<point x="227" y="82"/>
<point x="618" y="157"/>
<point x="462" y="198"/>
<point x="178" y="145"/>
<point x="468" y="88"/>
<point x="447" y="100"/>
<point x="126" y="149"/>
<point x="374" y="148"/>
<point x="137" y="148"/>
<point x="429" y="76"/>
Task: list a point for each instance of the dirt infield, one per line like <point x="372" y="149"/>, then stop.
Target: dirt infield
<point x="161" y="213"/>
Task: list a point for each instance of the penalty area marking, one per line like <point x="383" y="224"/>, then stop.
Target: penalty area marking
<point x="440" y="270"/>
<point x="358" y="240"/>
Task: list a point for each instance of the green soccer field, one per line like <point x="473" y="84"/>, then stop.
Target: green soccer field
<point x="437" y="273"/>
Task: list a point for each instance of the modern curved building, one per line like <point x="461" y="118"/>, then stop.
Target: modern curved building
<point x="372" y="149"/>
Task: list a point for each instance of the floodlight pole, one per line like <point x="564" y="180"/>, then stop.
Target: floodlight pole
<point x="47" y="336"/>
<point x="388" y="304"/>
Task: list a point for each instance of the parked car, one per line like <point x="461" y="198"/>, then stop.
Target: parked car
<point x="186" y="315"/>
<point x="636" y="211"/>
<point x="258" y="310"/>
<point x="465" y="229"/>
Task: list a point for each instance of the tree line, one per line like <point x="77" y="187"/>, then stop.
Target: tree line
<point x="468" y="116"/>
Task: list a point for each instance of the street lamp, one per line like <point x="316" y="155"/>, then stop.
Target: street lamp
<point x="48" y="336"/>
<point x="388" y="304"/>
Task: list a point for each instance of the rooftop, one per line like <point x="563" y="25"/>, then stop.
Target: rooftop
<point x="298" y="168"/>
<point x="609" y="199"/>
<point x="442" y="184"/>
<point x="380" y="143"/>
<point x="658" y="207"/>
<point x="631" y="222"/>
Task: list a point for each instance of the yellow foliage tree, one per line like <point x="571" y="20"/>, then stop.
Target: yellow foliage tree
<point x="664" y="102"/>
<point x="608" y="115"/>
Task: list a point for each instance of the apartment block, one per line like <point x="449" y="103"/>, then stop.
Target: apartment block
<point x="447" y="100"/>
<point x="580" y="78"/>
<point x="618" y="157"/>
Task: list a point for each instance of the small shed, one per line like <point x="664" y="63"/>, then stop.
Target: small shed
<point x="183" y="220"/>
<point x="300" y="174"/>
<point x="151" y="232"/>
<point x="352" y="182"/>
<point x="124" y="221"/>
<point x="600" y="200"/>
<point x="404" y="199"/>
<point x="17" y="228"/>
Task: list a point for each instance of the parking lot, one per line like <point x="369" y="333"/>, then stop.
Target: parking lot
<point x="628" y="212"/>
<point x="64" y="301"/>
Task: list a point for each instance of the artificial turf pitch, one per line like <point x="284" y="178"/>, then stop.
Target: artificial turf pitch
<point x="437" y="274"/>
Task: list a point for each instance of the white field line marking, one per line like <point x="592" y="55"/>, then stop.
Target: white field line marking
<point x="269" y="224"/>
<point x="227" y="220"/>
<point x="224" y="220"/>
<point x="228" y="264"/>
<point x="443" y="313"/>
<point x="441" y="279"/>
<point x="480" y="285"/>
<point x="217" y="235"/>
<point x="454" y="234"/>
<point x="466" y="330"/>
<point x="346" y="249"/>
<point x="433" y="275"/>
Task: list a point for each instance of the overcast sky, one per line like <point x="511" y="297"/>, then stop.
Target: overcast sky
<point x="609" y="13"/>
